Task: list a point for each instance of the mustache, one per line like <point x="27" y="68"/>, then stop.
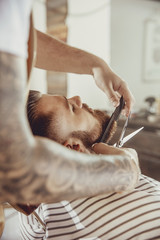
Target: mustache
<point x="87" y="108"/>
<point x="96" y="112"/>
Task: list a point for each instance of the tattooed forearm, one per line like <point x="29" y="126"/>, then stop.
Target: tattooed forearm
<point x="34" y="170"/>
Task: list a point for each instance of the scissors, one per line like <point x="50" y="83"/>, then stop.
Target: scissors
<point x="123" y="139"/>
<point x="114" y="117"/>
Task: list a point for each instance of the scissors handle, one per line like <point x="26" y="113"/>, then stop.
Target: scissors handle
<point x="118" y="144"/>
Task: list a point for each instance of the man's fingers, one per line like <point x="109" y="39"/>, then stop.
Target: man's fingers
<point x="129" y="104"/>
<point x="114" y="87"/>
<point x="128" y="97"/>
<point x="102" y="148"/>
<point x="112" y="95"/>
<point x="129" y="101"/>
<point x="99" y="148"/>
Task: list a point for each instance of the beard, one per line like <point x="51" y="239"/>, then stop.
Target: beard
<point x="103" y="118"/>
<point x="94" y="136"/>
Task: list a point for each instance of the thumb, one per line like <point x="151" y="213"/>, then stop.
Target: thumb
<point x="102" y="148"/>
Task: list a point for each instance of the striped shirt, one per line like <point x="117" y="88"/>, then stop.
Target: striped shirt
<point x="117" y="216"/>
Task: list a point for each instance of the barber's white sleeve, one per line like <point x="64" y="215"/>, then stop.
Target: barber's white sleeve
<point x="14" y="26"/>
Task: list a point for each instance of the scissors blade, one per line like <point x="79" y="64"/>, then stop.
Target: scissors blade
<point x="128" y="137"/>
<point x="120" y="140"/>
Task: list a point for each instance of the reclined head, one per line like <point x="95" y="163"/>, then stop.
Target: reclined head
<point x="66" y="121"/>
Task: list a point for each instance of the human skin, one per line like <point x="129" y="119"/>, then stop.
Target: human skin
<point x="72" y="115"/>
<point x="35" y="169"/>
<point x="60" y="57"/>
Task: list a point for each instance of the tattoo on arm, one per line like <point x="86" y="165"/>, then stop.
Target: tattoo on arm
<point x="35" y="170"/>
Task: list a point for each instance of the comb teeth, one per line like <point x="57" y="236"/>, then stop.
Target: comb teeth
<point x="118" y="109"/>
<point x="114" y="117"/>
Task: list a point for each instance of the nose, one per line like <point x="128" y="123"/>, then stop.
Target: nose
<point x="76" y="100"/>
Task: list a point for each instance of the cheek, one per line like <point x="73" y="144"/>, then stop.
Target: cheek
<point x="81" y="121"/>
<point x="66" y="127"/>
<point x="87" y="121"/>
<point x="60" y="126"/>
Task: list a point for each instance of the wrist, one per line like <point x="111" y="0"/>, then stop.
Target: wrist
<point x="99" y="65"/>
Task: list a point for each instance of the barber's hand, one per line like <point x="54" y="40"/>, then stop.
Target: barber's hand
<point x="113" y="86"/>
<point x="102" y="148"/>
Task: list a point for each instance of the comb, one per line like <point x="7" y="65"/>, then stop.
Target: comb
<point x="114" y="117"/>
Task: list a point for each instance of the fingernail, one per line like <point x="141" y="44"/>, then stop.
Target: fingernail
<point x="115" y="104"/>
<point x="93" y="145"/>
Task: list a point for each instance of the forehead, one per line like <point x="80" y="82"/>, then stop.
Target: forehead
<point x="51" y="103"/>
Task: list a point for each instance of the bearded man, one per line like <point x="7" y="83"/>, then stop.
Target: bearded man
<point x="123" y="212"/>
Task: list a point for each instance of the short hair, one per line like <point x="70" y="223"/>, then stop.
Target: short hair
<point x="39" y="123"/>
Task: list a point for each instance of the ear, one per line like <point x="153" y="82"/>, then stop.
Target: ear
<point x="75" y="144"/>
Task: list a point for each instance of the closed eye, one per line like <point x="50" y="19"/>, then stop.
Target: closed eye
<point x="73" y="108"/>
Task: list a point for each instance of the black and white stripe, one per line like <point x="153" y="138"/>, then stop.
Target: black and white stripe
<point x="133" y="215"/>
